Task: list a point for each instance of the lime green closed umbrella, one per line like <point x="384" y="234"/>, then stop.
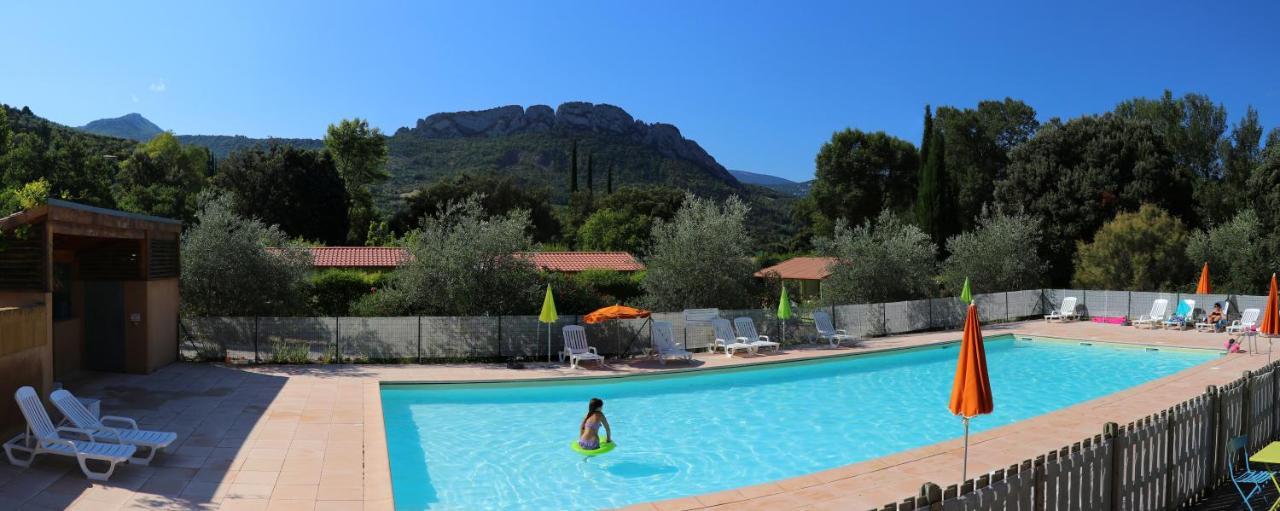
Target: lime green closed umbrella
<point x="549" y="317"/>
<point x="784" y="311"/>
<point x="965" y="295"/>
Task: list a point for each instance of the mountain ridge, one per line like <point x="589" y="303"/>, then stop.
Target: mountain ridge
<point x="131" y="126"/>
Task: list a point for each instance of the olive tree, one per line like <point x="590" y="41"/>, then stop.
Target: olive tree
<point x="999" y="255"/>
<point x="463" y="263"/>
<point x="237" y="266"/>
<point x="882" y="260"/>
<point x="700" y="257"/>
<point x="1145" y="250"/>
<point x="1237" y="261"/>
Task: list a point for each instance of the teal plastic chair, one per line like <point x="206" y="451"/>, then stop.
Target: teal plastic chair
<point x="1257" y="478"/>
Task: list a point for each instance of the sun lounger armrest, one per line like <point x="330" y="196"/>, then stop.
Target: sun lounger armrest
<point x="841" y="331"/>
<point x="764" y="338"/>
<point x="116" y="418"/>
<point x="742" y="339"/>
<point x="593" y="351"/>
<point x="88" y="435"/>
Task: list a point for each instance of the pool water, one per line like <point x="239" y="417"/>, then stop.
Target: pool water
<point x="505" y="446"/>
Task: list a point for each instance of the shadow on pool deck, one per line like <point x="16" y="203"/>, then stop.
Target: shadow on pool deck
<point x="214" y="410"/>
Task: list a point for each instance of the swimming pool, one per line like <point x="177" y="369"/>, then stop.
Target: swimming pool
<point x="505" y="445"/>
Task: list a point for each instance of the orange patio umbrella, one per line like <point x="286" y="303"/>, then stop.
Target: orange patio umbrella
<point x="971" y="391"/>
<point x="1271" y="316"/>
<point x="1203" y="287"/>
<point x="614" y="312"/>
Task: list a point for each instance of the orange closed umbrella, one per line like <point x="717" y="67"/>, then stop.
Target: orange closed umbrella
<point x="971" y="391"/>
<point x="1203" y="287"/>
<point x="1271" y="316"/>
<point x="614" y="312"/>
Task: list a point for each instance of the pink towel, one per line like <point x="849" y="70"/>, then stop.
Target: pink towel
<point x="1110" y="320"/>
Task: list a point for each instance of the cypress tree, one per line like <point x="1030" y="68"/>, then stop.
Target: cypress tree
<point x="609" y="181"/>
<point x="589" y="171"/>
<point x="573" y="168"/>
<point x="924" y="182"/>
<point x="938" y="214"/>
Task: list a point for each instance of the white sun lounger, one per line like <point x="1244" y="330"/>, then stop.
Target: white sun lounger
<point x="1068" y="310"/>
<point x="727" y="340"/>
<point x="1183" y="317"/>
<point x="1206" y="326"/>
<point x="747" y="330"/>
<point x="80" y="417"/>
<point x="43" y="438"/>
<point x="828" y="331"/>
<point x="576" y="348"/>
<point x="1248" y="321"/>
<point x="1159" y="309"/>
<point x="664" y="343"/>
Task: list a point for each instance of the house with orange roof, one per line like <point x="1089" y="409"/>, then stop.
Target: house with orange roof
<point x="803" y="276"/>
<point x="388" y="258"/>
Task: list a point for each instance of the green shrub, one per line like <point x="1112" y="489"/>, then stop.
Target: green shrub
<point x="333" y="290"/>
<point x="1144" y="250"/>
<point x="612" y="286"/>
<point x="571" y="295"/>
<point x="290" y="352"/>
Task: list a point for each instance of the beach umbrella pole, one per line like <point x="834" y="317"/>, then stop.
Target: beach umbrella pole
<point x="548" y="343"/>
<point x="964" y="470"/>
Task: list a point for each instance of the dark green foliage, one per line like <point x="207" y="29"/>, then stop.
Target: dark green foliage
<point x="882" y="260"/>
<point x="500" y="195"/>
<point x="1191" y="127"/>
<point x="700" y="258"/>
<point x="220" y="146"/>
<point x="162" y="177"/>
<point x="859" y="174"/>
<point x="572" y="296"/>
<point x="933" y="200"/>
<point x="334" y="290"/>
<point x="622" y="220"/>
<point x="298" y="190"/>
<point x="590" y="171"/>
<point x="77" y="166"/>
<point x="1075" y="176"/>
<point x="612" y="286"/>
<point x="977" y="147"/>
<point x="1264" y="189"/>
<point x="360" y="154"/>
<point x="609" y="180"/>
<point x="573" y="168"/>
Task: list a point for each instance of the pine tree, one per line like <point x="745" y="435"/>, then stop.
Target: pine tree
<point x="928" y="192"/>
<point x="589" y="172"/>
<point x="609" y="181"/>
<point x="573" y="168"/>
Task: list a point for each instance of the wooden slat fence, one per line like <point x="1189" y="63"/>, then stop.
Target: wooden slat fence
<point x="1160" y="462"/>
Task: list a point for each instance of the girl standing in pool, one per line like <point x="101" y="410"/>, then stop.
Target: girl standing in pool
<point x="589" y="430"/>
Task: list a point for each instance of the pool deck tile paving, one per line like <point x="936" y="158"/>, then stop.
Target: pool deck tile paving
<point x="311" y="437"/>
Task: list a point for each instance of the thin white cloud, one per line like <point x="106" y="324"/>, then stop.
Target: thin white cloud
<point x="134" y="97"/>
<point x="158" y="86"/>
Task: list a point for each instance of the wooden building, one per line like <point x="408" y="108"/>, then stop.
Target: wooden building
<point x="84" y="288"/>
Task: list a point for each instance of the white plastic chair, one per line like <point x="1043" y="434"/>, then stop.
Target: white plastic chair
<point x="727" y="340"/>
<point x="1187" y="310"/>
<point x="80" y="417"/>
<point x="747" y="330"/>
<point x="828" y="331"/>
<point x="1159" y="310"/>
<point x="664" y="343"/>
<point x="48" y="439"/>
<point x="576" y="348"/>
<point x="1068" y="310"/>
<point x="1248" y="321"/>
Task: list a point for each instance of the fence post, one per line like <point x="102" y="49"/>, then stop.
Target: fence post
<point x="1246" y="398"/>
<point x="1037" y="482"/>
<point x="1007" y="316"/>
<point x="1128" y="303"/>
<point x="419" y="339"/>
<point x="337" y="340"/>
<point x="930" y="494"/>
<point x="930" y="302"/>
<point x="256" y="360"/>
<point x="499" y="340"/>
<point x="884" y="320"/>
<point x="1215" y="427"/>
<point x="1111" y="431"/>
<point x="1169" y="493"/>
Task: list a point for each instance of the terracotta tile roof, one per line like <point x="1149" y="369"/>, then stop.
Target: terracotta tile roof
<point x="391" y="257"/>
<point x="801" y="268"/>
<point x="579" y="261"/>
<point x="358" y="257"/>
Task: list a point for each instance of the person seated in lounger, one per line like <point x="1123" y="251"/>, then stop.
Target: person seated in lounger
<point x="589" y="430"/>
<point x="1216" y="317"/>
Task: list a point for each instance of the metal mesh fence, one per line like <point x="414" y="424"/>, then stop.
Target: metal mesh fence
<point x="429" y="338"/>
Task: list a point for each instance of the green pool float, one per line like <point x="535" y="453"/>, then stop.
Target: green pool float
<point x="604" y="447"/>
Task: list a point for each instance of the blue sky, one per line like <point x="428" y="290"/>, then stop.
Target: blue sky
<point x="759" y="84"/>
